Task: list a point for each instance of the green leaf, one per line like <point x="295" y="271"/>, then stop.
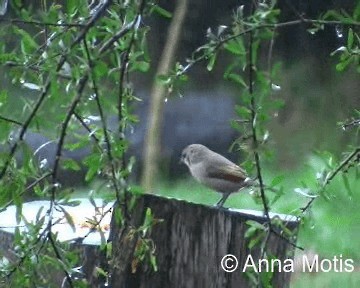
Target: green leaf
<point x="136" y="190"/>
<point x="356" y="13"/>
<point x="305" y="192"/>
<point x="347" y="185"/>
<point x="3" y="97"/>
<point x="149" y="218"/>
<point x="101" y="272"/>
<point x="236" y="78"/>
<point x="5" y="128"/>
<point x="141" y="66"/>
<point x="266" y="278"/>
<point x="277" y="196"/>
<point x="39" y="191"/>
<point x="93" y="163"/>
<point x="18" y="202"/>
<point x="255" y="224"/>
<point x="101" y="69"/>
<point x="71" y="6"/>
<point x="211" y="62"/>
<point x="153" y="262"/>
<point x="236" y="47"/>
<point x="277" y="180"/>
<point x="27" y="40"/>
<point x="70" y="164"/>
<point x="163" y="79"/>
<point x="161" y="11"/>
<point x="343" y="64"/>
<point x="72" y="203"/>
<point x="250" y="232"/>
<point x="242" y="111"/>
<point x="69" y="218"/>
<point x="350" y="39"/>
<point x="255" y="240"/>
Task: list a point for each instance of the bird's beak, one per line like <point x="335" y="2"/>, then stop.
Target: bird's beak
<point x="183" y="159"/>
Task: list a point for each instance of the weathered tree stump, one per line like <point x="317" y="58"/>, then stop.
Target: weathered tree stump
<point x="90" y="255"/>
<point x="190" y="244"/>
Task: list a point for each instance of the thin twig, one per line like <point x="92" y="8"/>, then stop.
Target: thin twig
<point x="223" y="41"/>
<point x="40" y="23"/>
<point x="30" y="186"/>
<point x="254" y="135"/>
<point x="331" y="176"/>
<point x="91" y="132"/>
<point x="307" y="206"/>
<point x="11" y="120"/>
<point x="35" y="68"/>
<point x="59" y="257"/>
<point x="116" y="37"/>
<point x="64" y="126"/>
<point x="47" y="85"/>
<point x="94" y="224"/>
<point x="342" y="165"/>
<point x="286" y="239"/>
<point x="103" y="120"/>
<point x="352" y="123"/>
<point x="24" y="128"/>
<point x="27" y="253"/>
<point x="122" y="73"/>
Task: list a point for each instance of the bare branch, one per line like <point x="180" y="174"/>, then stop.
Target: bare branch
<point x="40" y="23"/>
<point x="11" y="120"/>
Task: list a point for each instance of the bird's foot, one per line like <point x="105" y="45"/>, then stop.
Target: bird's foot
<point x="222" y="200"/>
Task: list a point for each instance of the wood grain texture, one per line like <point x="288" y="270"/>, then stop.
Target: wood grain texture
<point x="190" y="244"/>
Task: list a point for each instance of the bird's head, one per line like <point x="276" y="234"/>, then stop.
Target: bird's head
<point x="193" y="154"/>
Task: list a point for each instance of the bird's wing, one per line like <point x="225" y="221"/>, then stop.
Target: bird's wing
<point x="227" y="172"/>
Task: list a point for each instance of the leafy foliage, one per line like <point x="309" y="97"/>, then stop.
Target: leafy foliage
<point x="73" y="63"/>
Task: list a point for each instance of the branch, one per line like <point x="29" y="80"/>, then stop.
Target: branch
<point x="347" y="160"/>
<point x="257" y="156"/>
<point x="91" y="132"/>
<point x="40" y="23"/>
<point x="307" y="206"/>
<point x="25" y="126"/>
<point x="34" y="68"/>
<point x="103" y="121"/>
<point x="65" y="123"/>
<point x="58" y="256"/>
<point x="331" y="176"/>
<point x="30" y="186"/>
<point x="286" y="239"/>
<point x="47" y="86"/>
<point x="223" y="41"/>
<point x="254" y="135"/>
<point x="122" y="72"/>
<point x="352" y="123"/>
<point x="118" y="35"/>
<point x="11" y="120"/>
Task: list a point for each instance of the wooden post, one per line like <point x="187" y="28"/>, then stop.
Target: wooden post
<point x="190" y="244"/>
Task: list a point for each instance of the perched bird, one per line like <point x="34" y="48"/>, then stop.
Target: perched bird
<point x="215" y="171"/>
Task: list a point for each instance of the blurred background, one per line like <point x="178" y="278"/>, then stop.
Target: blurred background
<point x="317" y="98"/>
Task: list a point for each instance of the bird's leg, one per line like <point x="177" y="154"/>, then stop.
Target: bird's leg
<point x="222" y="200"/>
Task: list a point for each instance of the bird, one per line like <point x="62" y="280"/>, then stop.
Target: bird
<point x="215" y="171"/>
